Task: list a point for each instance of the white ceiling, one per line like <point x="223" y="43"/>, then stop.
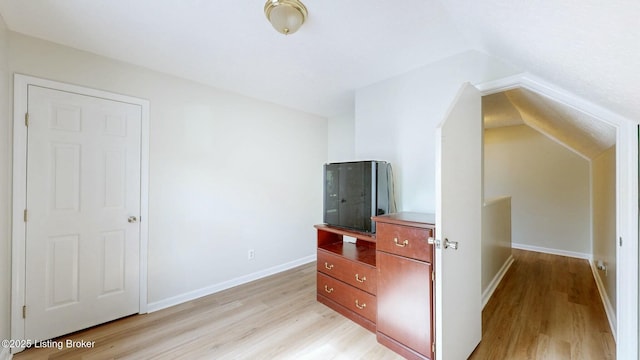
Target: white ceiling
<point x="589" y="47"/>
<point x="343" y="45"/>
<point x="578" y="131"/>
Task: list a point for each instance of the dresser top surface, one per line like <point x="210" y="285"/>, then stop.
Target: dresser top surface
<point x="407" y="218"/>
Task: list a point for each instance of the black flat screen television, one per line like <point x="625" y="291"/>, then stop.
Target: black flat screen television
<point x="356" y="191"/>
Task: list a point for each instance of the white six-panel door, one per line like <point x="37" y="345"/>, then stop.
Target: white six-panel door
<point x="83" y="205"/>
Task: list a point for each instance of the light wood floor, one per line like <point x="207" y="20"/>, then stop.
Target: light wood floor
<point x="545" y="308"/>
<point x="273" y="318"/>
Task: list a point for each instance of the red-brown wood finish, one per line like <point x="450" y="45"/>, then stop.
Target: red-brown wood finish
<point x="399" y="348"/>
<point x="358" y="301"/>
<point x="359" y="275"/>
<point x="405" y="241"/>
<point x="414" y="219"/>
<point x="405" y="283"/>
<point x="348" y="270"/>
<point x="396" y="299"/>
<point x="361" y="252"/>
<point x="405" y="301"/>
<point x="365" y="323"/>
<point x="328" y="234"/>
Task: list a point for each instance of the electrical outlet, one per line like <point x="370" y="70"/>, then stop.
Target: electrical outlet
<point x="600" y="265"/>
<point x="252" y="254"/>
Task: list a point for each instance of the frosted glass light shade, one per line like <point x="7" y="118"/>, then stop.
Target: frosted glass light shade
<point x="286" y="16"/>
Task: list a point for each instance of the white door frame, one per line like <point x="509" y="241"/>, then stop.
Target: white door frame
<point x="18" y="285"/>
<point x="626" y="331"/>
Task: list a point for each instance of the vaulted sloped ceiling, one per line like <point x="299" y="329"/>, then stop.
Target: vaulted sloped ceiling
<point x="588" y="47"/>
<point x="585" y="135"/>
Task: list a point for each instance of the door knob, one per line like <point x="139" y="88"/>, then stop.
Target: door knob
<point x="450" y="244"/>
<point x="132" y="219"/>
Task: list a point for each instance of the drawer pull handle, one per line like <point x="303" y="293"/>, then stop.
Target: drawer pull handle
<point x="364" y="278"/>
<point x="402" y="244"/>
<point x="328" y="266"/>
<point x="328" y="289"/>
<point x="361" y="307"/>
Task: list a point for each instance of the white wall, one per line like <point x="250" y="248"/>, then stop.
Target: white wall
<point x="603" y="172"/>
<point x="341" y="135"/>
<point x="396" y="120"/>
<point x="5" y="184"/>
<point x="227" y="172"/>
<point x="496" y="242"/>
<point x="549" y="186"/>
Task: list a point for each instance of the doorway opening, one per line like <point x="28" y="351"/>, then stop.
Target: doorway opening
<point x="556" y="166"/>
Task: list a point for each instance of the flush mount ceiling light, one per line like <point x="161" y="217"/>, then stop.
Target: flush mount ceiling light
<point x="286" y="16"/>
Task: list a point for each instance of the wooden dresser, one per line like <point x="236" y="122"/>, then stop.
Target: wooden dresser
<point x="405" y="284"/>
<point x="383" y="282"/>
<point x="347" y="275"/>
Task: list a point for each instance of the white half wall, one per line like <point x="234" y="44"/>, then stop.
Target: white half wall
<point x="6" y="140"/>
<point x="496" y="243"/>
<point x="549" y="188"/>
<point x="603" y="172"/>
<point x="228" y="173"/>
<point x="396" y="119"/>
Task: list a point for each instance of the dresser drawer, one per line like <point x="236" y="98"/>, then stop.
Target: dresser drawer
<point x="358" y="301"/>
<point x="405" y="241"/>
<point x="353" y="273"/>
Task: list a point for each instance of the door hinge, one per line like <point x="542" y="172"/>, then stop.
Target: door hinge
<point x="25" y="215"/>
<point x="24" y="311"/>
<point x="433" y="275"/>
<point x="26" y="119"/>
<point x="433" y="347"/>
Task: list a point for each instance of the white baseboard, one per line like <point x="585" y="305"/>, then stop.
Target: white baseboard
<point x="5" y="354"/>
<point x="192" y="295"/>
<point x="608" y="308"/>
<point x="493" y="285"/>
<point x="551" y="251"/>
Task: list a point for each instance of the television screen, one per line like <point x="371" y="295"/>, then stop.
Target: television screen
<point x="354" y="192"/>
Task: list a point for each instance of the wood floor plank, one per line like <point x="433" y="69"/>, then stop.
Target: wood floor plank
<point x="546" y="307"/>
<point x="273" y="318"/>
